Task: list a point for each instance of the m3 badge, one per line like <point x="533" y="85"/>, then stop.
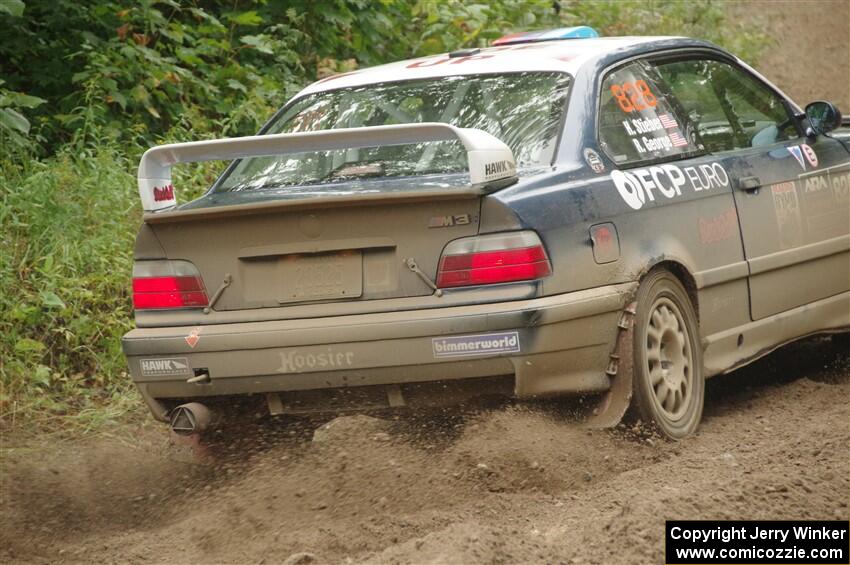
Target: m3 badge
<point x="450" y="221"/>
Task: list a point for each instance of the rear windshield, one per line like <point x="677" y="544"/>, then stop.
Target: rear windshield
<point x="522" y="109"/>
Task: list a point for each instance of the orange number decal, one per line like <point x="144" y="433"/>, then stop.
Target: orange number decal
<point x="634" y="96"/>
<point x="648" y="96"/>
<point x="623" y="100"/>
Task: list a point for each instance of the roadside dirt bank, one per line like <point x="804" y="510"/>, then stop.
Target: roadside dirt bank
<point x="499" y="485"/>
<point x="810" y="59"/>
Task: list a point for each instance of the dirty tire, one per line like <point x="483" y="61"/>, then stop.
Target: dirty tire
<point x="669" y="386"/>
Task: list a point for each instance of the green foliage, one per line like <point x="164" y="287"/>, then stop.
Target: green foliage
<point x="66" y="228"/>
<point x="85" y="87"/>
<point x="445" y="26"/>
<point x="12" y="7"/>
<point x="14" y="126"/>
<point x="131" y="70"/>
<point x="701" y="19"/>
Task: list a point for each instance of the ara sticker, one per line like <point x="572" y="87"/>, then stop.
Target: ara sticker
<point x="798" y="154"/>
<point x="594" y="161"/>
<point x="810" y="154"/>
<point x="194" y="337"/>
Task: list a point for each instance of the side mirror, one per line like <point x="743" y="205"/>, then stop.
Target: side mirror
<point x="823" y="117"/>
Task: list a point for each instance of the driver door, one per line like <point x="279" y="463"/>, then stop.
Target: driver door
<point x="791" y="192"/>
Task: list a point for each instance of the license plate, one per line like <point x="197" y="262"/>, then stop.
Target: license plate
<point x="321" y="277"/>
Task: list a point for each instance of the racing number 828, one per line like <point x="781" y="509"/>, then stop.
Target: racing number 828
<point x="633" y="96"/>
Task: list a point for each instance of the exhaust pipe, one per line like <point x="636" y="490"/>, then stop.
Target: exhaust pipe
<point x="189" y="419"/>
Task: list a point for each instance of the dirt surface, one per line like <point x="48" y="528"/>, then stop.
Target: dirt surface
<point x="810" y="59"/>
<point x="510" y="483"/>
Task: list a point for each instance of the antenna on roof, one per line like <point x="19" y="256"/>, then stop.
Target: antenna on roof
<point x="578" y="32"/>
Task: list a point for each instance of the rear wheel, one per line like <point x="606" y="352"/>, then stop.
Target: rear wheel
<point x="669" y="387"/>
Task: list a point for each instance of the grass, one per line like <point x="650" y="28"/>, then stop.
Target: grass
<point x="67" y="225"/>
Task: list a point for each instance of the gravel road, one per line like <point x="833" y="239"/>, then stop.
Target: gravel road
<point x="505" y="484"/>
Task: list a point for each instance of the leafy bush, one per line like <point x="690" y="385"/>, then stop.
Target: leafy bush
<point x="66" y="228"/>
<point x="14" y="126"/>
<point x="702" y="19"/>
<point x="86" y="86"/>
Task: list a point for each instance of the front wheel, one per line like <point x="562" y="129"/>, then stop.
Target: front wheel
<point x="669" y="387"/>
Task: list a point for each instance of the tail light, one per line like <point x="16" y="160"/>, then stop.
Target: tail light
<point x="493" y="259"/>
<point x="167" y="284"/>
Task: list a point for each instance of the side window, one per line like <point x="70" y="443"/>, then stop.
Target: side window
<point x="638" y="121"/>
<point x="729" y="108"/>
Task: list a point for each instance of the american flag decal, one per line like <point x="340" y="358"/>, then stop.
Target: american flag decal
<point x="677" y="139"/>
<point x="668" y="121"/>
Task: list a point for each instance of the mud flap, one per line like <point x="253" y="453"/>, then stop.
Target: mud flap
<point x="615" y="402"/>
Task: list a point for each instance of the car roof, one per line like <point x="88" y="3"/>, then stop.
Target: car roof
<point x="557" y="55"/>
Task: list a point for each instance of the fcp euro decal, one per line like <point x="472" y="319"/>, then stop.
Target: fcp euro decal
<point x="636" y="186"/>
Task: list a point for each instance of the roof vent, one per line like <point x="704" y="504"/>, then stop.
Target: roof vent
<point x="464" y="53"/>
<point x="578" y="32"/>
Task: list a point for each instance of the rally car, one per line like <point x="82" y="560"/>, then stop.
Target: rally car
<point x="558" y="213"/>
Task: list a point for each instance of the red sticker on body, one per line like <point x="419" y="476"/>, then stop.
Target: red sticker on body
<point x="194" y="337"/>
<point x="163" y="193"/>
<point x="810" y="154"/>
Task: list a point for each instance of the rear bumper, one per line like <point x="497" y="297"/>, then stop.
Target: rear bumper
<point x="550" y="345"/>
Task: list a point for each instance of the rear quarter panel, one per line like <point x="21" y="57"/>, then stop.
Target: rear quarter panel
<point x="697" y="230"/>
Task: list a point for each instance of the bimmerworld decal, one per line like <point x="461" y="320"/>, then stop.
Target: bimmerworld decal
<point x="481" y="344"/>
<point x="637" y="186"/>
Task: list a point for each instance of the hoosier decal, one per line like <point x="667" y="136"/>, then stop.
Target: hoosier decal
<point x="294" y="361"/>
<point x="482" y="344"/>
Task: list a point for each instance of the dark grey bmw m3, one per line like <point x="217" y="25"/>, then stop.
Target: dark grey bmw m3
<point x="556" y="214"/>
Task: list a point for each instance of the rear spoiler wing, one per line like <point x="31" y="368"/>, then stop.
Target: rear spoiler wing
<point x="488" y="157"/>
